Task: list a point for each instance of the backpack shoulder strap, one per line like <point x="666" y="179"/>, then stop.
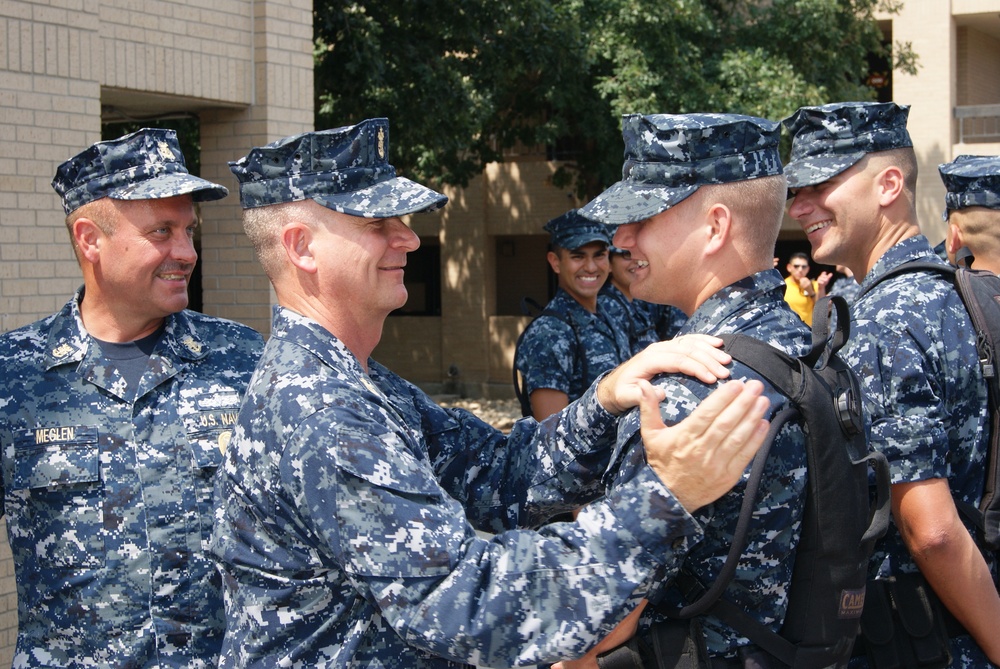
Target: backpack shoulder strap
<point x="980" y="292"/>
<point x="910" y="266"/>
<point x="527" y="305"/>
<point x="789" y="376"/>
<point x="778" y="368"/>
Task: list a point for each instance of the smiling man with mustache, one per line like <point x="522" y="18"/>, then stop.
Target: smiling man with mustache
<point x="113" y="415"/>
<point x="852" y="181"/>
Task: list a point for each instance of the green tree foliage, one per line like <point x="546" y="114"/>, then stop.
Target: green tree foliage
<point x="465" y="82"/>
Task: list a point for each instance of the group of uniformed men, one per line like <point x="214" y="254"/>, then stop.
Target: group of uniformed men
<point x="178" y="493"/>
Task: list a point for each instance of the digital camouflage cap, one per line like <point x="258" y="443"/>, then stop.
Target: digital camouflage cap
<point x="971" y="181"/>
<point x="345" y="169"/>
<point x="571" y="231"/>
<point x="144" y="165"/>
<point x="828" y="139"/>
<point x="669" y="156"/>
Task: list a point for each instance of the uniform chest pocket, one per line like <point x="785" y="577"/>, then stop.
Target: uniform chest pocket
<point x="56" y="502"/>
<point x="210" y="428"/>
<point x="395" y="519"/>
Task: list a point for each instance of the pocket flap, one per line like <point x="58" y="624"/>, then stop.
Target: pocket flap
<point x="59" y="456"/>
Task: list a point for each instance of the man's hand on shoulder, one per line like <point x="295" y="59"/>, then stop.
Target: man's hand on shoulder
<point x="701" y="458"/>
<point x="695" y="355"/>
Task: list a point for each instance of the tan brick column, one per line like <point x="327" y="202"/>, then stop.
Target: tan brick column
<point x="234" y="285"/>
<point x="928" y="25"/>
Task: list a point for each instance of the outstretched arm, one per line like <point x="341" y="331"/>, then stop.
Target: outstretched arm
<point x="547" y="401"/>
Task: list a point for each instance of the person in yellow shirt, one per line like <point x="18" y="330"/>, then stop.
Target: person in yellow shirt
<point x="801" y="292"/>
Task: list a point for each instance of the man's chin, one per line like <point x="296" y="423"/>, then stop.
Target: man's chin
<point x="172" y="306"/>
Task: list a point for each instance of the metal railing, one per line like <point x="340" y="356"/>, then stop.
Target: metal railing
<point x="978" y="123"/>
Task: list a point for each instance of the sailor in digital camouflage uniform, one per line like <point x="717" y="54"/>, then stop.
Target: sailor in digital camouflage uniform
<point x="113" y="416"/>
<point x="347" y="501"/>
<point x="699" y="207"/>
<point x="648" y="322"/>
<point x="851" y="176"/>
<point x="582" y="332"/>
<point x="972" y="209"/>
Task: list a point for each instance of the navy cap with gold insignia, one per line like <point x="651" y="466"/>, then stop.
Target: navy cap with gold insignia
<point x="345" y="169"/>
<point x="144" y="165"/>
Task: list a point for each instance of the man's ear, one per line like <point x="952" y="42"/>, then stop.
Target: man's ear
<point x="87" y="237"/>
<point x="553" y="259"/>
<point x="890" y="183"/>
<point x="718" y="224"/>
<point x="953" y="240"/>
<point x="296" y="239"/>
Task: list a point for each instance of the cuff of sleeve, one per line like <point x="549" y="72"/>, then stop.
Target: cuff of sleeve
<point x="590" y="414"/>
<point x="647" y="509"/>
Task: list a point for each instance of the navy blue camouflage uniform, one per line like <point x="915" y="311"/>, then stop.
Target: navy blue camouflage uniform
<point x="342" y="526"/>
<point x="753" y="306"/>
<point x="648" y="322"/>
<point x="667" y="159"/>
<point x="667" y="320"/>
<point x="108" y="466"/>
<point x="348" y="503"/>
<point x="846" y="287"/>
<point x="569" y="356"/>
<point x="552" y="353"/>
<point x="107" y="493"/>
<point x="911" y="343"/>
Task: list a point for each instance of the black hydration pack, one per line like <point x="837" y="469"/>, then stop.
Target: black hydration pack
<point x="530" y="307"/>
<point x="980" y="293"/>
<point x="842" y="520"/>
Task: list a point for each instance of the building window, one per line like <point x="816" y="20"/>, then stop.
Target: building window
<point x="422" y="279"/>
<point x="880" y="67"/>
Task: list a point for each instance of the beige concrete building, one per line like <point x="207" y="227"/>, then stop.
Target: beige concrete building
<point x="244" y="67"/>
<point x="955" y="95"/>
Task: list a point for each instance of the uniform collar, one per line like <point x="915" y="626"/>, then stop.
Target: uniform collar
<point x="735" y="297"/>
<point x="69" y="341"/>
<point x="911" y="248"/>
<point x="310" y="335"/>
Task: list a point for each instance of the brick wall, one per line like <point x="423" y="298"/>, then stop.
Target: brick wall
<point x="49" y="100"/>
<point x="234" y="286"/>
<point x="928" y="25"/>
<point x="514" y="198"/>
